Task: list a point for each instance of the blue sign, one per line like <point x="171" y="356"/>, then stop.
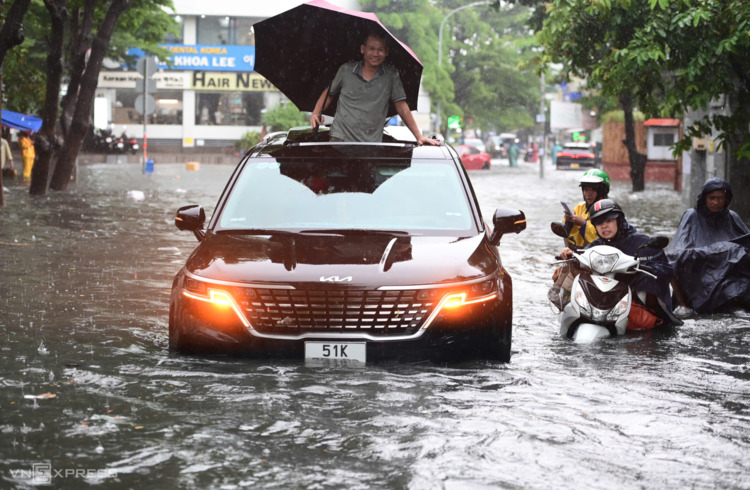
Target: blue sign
<point x="206" y="57"/>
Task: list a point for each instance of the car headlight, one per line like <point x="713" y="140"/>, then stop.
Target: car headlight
<point x="602" y="263"/>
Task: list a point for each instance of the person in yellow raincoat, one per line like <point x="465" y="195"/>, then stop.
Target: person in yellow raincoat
<point x="27" y="152"/>
<point x="594" y="186"/>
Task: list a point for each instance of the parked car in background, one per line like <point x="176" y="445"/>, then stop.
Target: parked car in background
<point x="331" y="251"/>
<point x="476" y="143"/>
<point x="472" y="158"/>
<point x="577" y="155"/>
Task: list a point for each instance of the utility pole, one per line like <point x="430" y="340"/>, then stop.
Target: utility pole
<point x="542" y="119"/>
<point x="495" y="5"/>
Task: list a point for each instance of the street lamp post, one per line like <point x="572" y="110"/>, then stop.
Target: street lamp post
<point x="438" y="119"/>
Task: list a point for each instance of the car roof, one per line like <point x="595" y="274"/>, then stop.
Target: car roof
<point x="304" y="143"/>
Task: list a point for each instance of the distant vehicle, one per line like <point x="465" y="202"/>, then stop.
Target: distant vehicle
<point x="472" y="158"/>
<point x="577" y="155"/>
<point x="496" y="148"/>
<point x="475" y="142"/>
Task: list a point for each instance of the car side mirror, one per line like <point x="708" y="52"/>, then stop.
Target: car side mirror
<point x="191" y="218"/>
<point x="507" y="221"/>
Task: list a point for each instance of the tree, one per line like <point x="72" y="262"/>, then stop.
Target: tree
<point x="76" y="36"/>
<point x="480" y="78"/>
<point x="11" y="35"/>
<point x="589" y="39"/>
<point x="283" y="117"/>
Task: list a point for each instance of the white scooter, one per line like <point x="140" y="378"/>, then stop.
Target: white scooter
<point x="601" y="298"/>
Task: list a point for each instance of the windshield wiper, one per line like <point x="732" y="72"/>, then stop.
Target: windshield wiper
<point x="357" y="232"/>
<point x="256" y="231"/>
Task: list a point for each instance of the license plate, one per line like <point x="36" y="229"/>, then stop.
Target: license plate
<point x="336" y="351"/>
<point x="574" y="165"/>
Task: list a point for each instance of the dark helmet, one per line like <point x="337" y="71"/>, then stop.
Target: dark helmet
<point x="597" y="180"/>
<point x="606" y="209"/>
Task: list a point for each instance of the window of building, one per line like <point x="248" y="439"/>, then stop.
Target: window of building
<point x="663" y="139"/>
<point x="228" y="108"/>
<point x="168" y="108"/>
<point x="226" y="30"/>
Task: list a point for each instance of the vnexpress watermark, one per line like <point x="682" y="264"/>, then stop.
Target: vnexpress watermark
<point x="44" y="473"/>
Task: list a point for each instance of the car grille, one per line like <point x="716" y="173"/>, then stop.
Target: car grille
<point x="375" y="313"/>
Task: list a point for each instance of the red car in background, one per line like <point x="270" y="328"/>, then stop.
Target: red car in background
<point x="473" y="158"/>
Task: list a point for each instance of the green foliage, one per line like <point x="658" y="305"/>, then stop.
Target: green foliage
<point x="283" y="117"/>
<point x="481" y="78"/>
<point x="143" y="26"/>
<point x="248" y="140"/>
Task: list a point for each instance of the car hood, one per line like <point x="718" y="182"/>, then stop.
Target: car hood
<point x="364" y="261"/>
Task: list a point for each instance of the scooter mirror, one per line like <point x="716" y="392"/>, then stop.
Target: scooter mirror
<point x="559" y="229"/>
<point x="657" y="242"/>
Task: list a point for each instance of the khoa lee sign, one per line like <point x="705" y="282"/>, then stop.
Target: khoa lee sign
<point x="206" y="57"/>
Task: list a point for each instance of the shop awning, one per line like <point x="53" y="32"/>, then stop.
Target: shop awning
<point x="23" y="122"/>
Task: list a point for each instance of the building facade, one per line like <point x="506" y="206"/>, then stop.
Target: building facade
<point x="210" y="96"/>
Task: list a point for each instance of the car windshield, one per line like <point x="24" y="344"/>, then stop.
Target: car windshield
<point x="348" y="194"/>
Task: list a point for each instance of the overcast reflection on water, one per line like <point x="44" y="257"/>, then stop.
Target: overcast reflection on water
<point x="91" y="394"/>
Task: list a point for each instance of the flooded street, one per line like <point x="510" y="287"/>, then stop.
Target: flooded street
<point x="92" y="396"/>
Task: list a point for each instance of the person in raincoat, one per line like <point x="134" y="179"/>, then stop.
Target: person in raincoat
<point x="556" y="148"/>
<point x="27" y="153"/>
<point x="652" y="301"/>
<point x="513" y="154"/>
<point x="709" y="253"/>
<point x="365" y="88"/>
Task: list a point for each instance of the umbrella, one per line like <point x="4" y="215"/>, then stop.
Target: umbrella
<point x="24" y="122"/>
<point x="300" y="50"/>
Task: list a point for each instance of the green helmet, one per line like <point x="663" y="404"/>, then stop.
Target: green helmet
<point x="598" y="179"/>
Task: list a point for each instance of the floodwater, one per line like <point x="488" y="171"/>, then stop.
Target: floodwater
<point x="90" y="395"/>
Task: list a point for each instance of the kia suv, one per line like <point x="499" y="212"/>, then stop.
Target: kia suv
<point x="356" y="252"/>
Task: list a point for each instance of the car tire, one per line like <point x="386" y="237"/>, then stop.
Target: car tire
<point x="486" y="166"/>
<point x="497" y="348"/>
<point x="177" y="338"/>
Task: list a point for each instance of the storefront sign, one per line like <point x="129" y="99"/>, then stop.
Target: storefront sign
<point x="206" y="57"/>
<point x="243" y="82"/>
<point x="126" y="79"/>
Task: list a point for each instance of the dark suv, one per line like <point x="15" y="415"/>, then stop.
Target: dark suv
<point x="345" y="251"/>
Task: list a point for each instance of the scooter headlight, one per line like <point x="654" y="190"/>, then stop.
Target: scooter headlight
<point x="583" y="302"/>
<point x="602" y="263"/>
<point x="620" y="308"/>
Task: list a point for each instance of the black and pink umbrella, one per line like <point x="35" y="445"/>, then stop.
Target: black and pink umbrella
<point x="300" y="50"/>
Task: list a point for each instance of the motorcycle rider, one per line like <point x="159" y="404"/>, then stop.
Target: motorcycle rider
<point x="594" y="186"/>
<point x="652" y="303"/>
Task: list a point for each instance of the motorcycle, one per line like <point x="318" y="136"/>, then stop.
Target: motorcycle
<point x="125" y="144"/>
<point x="601" y="298"/>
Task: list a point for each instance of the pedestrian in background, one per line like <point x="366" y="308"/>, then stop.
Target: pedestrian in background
<point x="513" y="155"/>
<point x="555" y="149"/>
<point x="5" y="154"/>
<point x="27" y="153"/>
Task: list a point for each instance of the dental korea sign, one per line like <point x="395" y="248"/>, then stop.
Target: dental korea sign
<point x="207" y="57"/>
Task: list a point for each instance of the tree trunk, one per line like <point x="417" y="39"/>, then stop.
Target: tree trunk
<point x="637" y="160"/>
<point x="47" y="142"/>
<point x="80" y="42"/>
<point x="74" y="138"/>
<point x="11" y="35"/>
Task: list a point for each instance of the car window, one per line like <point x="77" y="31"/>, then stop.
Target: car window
<point x="353" y="194"/>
